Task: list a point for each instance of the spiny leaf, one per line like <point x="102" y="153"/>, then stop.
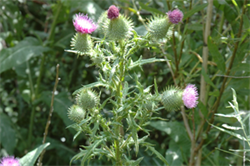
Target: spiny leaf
<point x="145" y="61"/>
<point x="92" y="85"/>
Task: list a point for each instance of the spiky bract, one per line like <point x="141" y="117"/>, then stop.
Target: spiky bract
<point x="76" y="113"/>
<point x="172" y="99"/>
<point x="82" y="43"/>
<point x="158" y="27"/>
<point x="119" y="28"/>
<point x="87" y="99"/>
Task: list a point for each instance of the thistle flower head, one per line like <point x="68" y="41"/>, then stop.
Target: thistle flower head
<point x="113" y="12"/>
<point x="9" y="161"/>
<point x="83" y="24"/>
<point x="175" y="16"/>
<point x="190" y="96"/>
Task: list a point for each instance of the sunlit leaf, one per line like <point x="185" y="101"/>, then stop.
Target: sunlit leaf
<point x="31" y="157"/>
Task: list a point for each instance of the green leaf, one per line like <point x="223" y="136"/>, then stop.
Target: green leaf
<point x="22" y="52"/>
<point x="158" y="154"/>
<point x="153" y="10"/>
<point x="230" y="132"/>
<point x="241" y="67"/>
<point x="231" y="153"/>
<point x="145" y="61"/>
<point x="174" y="154"/>
<point x="207" y="79"/>
<point x="89" y="6"/>
<point x="194" y="10"/>
<point x="133" y="126"/>
<point x="133" y="162"/>
<point x="218" y="58"/>
<point x="92" y="85"/>
<point x="30" y="158"/>
<point x="7" y="133"/>
<point x="86" y="153"/>
<point x="61" y="104"/>
<point x="203" y="109"/>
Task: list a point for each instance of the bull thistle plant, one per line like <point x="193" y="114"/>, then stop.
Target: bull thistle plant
<point x="112" y="125"/>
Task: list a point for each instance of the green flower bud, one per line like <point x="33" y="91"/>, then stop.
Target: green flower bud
<point x="172" y="99"/>
<point x="82" y="43"/>
<point x="159" y="27"/>
<point x="87" y="99"/>
<point x="76" y="113"/>
<point x="118" y="28"/>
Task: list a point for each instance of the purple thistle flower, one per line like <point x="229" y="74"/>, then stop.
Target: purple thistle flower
<point x="83" y="24"/>
<point x="190" y="96"/>
<point x="113" y="12"/>
<point x="175" y="16"/>
<point x="9" y="161"/>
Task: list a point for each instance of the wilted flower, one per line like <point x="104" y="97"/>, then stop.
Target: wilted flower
<point x="175" y="16"/>
<point x="113" y="12"/>
<point x="83" y="24"/>
<point x="190" y="96"/>
<point x="9" y="161"/>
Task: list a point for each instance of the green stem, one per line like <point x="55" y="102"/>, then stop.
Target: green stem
<point x="119" y="101"/>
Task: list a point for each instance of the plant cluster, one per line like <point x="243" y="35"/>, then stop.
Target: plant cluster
<point x="130" y="105"/>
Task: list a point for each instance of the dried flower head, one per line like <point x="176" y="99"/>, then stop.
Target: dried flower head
<point x="83" y="24"/>
<point x="113" y="12"/>
<point x="175" y="16"/>
<point x="9" y="161"/>
<point x="190" y="96"/>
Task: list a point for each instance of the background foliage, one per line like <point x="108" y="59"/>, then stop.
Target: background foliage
<point x="34" y="35"/>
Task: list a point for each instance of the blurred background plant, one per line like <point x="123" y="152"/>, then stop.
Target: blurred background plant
<point x="34" y="35"/>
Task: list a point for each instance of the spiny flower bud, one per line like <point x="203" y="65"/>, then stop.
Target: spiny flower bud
<point x="87" y="99"/>
<point x="76" y="113"/>
<point x="172" y="99"/>
<point x="117" y="27"/>
<point x="175" y="16"/>
<point x="190" y="96"/>
<point x="113" y="12"/>
<point x="158" y="27"/>
<point x="82" y="43"/>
